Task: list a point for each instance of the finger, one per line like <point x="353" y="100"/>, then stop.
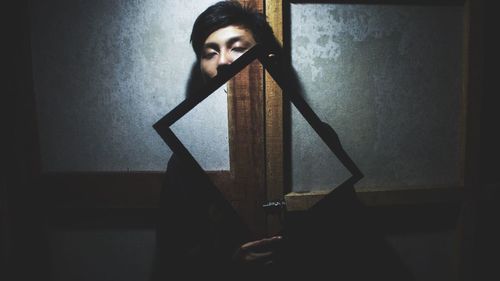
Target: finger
<point x="256" y="256"/>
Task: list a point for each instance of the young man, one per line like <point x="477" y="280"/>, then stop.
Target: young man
<point x="200" y="236"/>
<point x="199" y="232"/>
<point x="226" y="30"/>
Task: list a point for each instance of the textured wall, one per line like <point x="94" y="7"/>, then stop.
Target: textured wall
<point x="104" y="72"/>
<point x="388" y="80"/>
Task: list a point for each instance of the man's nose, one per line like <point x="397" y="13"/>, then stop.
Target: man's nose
<point x="225" y="58"/>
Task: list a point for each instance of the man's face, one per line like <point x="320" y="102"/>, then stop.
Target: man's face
<point x="224" y="46"/>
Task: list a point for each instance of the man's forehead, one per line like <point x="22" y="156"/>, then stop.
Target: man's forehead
<point x="230" y="32"/>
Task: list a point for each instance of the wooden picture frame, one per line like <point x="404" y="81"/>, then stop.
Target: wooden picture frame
<point x="281" y="72"/>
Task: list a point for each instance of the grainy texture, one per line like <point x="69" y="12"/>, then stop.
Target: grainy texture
<point x="388" y="79"/>
<point x="104" y="72"/>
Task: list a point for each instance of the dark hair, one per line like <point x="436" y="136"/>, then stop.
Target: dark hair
<point x="226" y="13"/>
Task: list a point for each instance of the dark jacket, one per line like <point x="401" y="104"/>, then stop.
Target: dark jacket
<point x="198" y="231"/>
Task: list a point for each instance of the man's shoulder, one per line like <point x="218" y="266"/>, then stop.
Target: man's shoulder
<point x="185" y="176"/>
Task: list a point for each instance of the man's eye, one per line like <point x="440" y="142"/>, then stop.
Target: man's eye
<point x="240" y="49"/>
<point x="209" y="55"/>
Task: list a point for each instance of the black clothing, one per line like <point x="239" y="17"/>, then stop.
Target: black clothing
<point x="199" y="232"/>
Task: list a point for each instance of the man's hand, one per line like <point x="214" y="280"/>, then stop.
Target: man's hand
<point x="257" y="253"/>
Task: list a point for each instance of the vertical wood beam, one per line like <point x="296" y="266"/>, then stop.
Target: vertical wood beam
<point x="246" y="146"/>
<point x="246" y="142"/>
<point x="274" y="122"/>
